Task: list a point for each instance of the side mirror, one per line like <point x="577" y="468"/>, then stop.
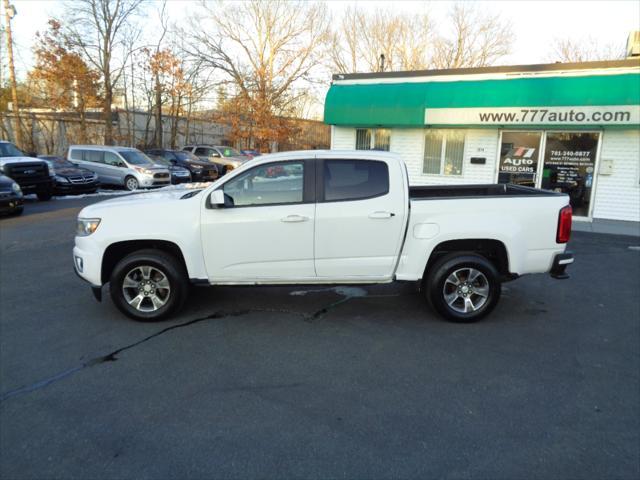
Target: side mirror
<point x="216" y="199"/>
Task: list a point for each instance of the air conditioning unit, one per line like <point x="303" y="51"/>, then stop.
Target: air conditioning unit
<point x="633" y="44"/>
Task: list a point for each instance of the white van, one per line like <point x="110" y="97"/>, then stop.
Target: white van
<point x="123" y="166"/>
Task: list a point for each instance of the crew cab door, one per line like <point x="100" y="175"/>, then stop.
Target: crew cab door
<point x="360" y="218"/>
<point x="265" y="230"/>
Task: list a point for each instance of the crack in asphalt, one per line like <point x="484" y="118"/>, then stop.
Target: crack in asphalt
<point x="112" y="357"/>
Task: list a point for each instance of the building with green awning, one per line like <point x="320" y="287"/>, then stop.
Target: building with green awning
<point x="571" y="127"/>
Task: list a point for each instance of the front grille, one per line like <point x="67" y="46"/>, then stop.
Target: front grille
<point x="161" y="175"/>
<point x="81" y="179"/>
<point x="5" y="194"/>
<point x="26" y="171"/>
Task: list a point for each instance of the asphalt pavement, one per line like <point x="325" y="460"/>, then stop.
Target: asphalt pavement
<point x="296" y="382"/>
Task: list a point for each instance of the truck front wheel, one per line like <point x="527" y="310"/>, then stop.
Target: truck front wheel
<point x="462" y="287"/>
<point x="44" y="195"/>
<point x="148" y="285"/>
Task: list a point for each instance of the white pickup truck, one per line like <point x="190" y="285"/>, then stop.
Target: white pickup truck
<point x="322" y="217"/>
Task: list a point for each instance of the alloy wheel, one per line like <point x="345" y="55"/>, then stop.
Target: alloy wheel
<point x="146" y="288"/>
<point x="466" y="290"/>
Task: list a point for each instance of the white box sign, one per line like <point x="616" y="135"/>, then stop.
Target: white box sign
<point x="598" y="115"/>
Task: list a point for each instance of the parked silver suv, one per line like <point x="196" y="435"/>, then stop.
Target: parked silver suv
<point x="124" y="166"/>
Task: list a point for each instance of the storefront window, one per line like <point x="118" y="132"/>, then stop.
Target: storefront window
<point x="373" y="139"/>
<point x="569" y="163"/>
<point x="519" y="155"/>
<point x="443" y="152"/>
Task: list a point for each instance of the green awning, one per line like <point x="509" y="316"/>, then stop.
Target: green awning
<point x="404" y="104"/>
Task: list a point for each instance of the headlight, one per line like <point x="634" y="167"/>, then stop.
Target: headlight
<point x="60" y="179"/>
<point x="52" y="169"/>
<point x="196" y="167"/>
<point x="16" y="188"/>
<point x="86" y="226"/>
<point x="143" y="170"/>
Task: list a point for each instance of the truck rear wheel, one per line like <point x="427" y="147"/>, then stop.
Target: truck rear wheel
<point x="462" y="287"/>
<point x="148" y="285"/>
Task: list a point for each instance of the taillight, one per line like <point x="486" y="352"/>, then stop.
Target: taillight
<point x="564" y="225"/>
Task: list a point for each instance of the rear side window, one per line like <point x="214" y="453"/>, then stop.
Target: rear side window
<point x="354" y="179"/>
<point x="76" y="154"/>
<point x="95" y="156"/>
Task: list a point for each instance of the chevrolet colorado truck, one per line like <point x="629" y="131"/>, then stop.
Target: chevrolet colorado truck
<point x="322" y="217"/>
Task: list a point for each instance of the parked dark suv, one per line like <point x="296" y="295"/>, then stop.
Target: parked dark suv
<point x="31" y="174"/>
<point x="200" y="171"/>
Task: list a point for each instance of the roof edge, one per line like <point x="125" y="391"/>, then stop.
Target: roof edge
<point x="540" y="67"/>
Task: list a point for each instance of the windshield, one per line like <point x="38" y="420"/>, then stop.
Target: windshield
<point x="10" y="150"/>
<point x="61" y="162"/>
<point x="135" y="157"/>
<point x="229" y="152"/>
<point x="186" y="156"/>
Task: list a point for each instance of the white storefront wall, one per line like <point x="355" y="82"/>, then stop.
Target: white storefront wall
<point x="617" y="190"/>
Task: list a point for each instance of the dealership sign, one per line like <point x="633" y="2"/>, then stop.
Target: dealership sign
<point x="578" y="115"/>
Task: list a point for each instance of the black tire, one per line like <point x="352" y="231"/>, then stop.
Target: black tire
<point x="131" y="183"/>
<point x="17" y="212"/>
<point x="158" y="261"/>
<point x="483" y="292"/>
<point x="44" y="196"/>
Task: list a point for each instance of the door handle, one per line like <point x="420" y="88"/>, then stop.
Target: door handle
<point x="294" y="219"/>
<point x="382" y="215"/>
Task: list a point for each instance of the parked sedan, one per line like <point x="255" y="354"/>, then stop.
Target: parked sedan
<point x="10" y="197"/>
<point x="69" y="178"/>
<point x="178" y="174"/>
<point x="200" y="171"/>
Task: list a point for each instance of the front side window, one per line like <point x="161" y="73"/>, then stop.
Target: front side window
<point x="373" y="139"/>
<point x="273" y="183"/>
<point x="443" y="152"/>
<point x="354" y="179"/>
<point x="230" y="152"/>
<point x="112" y="159"/>
<point x="205" y="152"/>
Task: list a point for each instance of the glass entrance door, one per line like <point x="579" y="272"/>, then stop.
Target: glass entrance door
<point x="519" y="156"/>
<point x="569" y="165"/>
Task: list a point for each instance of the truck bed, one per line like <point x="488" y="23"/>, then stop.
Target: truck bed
<point x="475" y="191"/>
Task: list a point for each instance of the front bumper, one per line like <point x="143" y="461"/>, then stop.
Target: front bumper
<point x="87" y="261"/>
<point x="560" y="264"/>
<point x="75" y="188"/>
<point x="10" y="203"/>
<point x="150" y="181"/>
<point x="175" y="179"/>
<point x="36" y="185"/>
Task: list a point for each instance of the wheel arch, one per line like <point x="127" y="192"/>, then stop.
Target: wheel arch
<point x="118" y="250"/>
<point x="493" y="250"/>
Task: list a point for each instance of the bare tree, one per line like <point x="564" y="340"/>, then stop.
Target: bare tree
<point x="476" y="40"/>
<point x="584" y="50"/>
<point x="361" y="38"/>
<point x="100" y="28"/>
<point x="263" y="48"/>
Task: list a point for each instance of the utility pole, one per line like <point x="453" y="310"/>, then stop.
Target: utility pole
<point x="9" y="13"/>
